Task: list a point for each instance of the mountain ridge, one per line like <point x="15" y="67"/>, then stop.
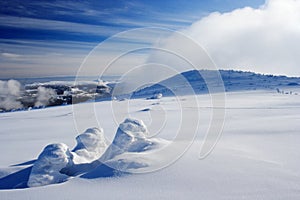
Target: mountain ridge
<point x="231" y="79"/>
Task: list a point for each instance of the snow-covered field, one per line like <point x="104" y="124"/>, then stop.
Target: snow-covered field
<point x="257" y="156"/>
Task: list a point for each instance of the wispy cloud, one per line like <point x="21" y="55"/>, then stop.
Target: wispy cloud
<point x="63" y="26"/>
<point x="10" y="55"/>
<point x="88" y="17"/>
<point x="53" y="37"/>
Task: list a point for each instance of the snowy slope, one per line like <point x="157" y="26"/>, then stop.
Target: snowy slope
<point x="257" y="156"/>
<point x="232" y="80"/>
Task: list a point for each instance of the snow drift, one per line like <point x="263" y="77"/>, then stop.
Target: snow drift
<point x="46" y="170"/>
<point x="90" y="145"/>
<point x="93" y="157"/>
<point x="126" y="154"/>
<point x="131" y="136"/>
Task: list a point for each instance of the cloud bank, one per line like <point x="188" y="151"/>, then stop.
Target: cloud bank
<point x="44" y="95"/>
<point x="264" y="40"/>
<point x="13" y="96"/>
<point x="10" y="91"/>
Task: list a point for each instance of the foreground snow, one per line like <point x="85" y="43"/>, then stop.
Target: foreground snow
<point x="91" y="157"/>
<point x="257" y="156"/>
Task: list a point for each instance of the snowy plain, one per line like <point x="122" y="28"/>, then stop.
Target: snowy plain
<point x="257" y="156"/>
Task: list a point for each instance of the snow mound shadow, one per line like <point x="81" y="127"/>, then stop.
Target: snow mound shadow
<point x="92" y="157"/>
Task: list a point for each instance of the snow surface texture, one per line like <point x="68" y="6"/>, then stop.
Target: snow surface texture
<point x="257" y="156"/>
<point x="156" y="96"/>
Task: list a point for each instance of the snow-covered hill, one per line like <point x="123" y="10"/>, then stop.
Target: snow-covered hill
<point x="232" y="80"/>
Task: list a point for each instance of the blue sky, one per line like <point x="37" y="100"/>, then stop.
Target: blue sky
<point x="50" y="38"/>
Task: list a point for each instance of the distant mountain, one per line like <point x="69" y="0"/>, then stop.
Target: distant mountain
<point x="232" y="80"/>
<point x="16" y="97"/>
<point x="62" y="91"/>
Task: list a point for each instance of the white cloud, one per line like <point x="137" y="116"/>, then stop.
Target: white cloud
<point x="263" y="40"/>
<point x="10" y="91"/>
<point x="10" y="55"/>
<point x="33" y="58"/>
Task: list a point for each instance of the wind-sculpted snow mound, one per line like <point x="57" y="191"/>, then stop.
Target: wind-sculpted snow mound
<point x="46" y="169"/>
<point x="92" y="157"/>
<point x="131" y="136"/>
<point x="90" y="145"/>
<point x="126" y="154"/>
